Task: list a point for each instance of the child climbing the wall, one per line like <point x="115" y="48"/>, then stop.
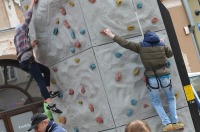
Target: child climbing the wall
<point x="154" y="54"/>
<point x="137" y="126"/>
<point x="24" y="48"/>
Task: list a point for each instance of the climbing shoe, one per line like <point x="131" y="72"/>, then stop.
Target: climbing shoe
<point x="54" y="109"/>
<point x="178" y="125"/>
<point x="54" y="94"/>
<point x="167" y="128"/>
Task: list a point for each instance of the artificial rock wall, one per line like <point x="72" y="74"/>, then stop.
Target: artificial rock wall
<point x="101" y="82"/>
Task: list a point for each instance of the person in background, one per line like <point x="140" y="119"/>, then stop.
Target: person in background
<point x="24" y="48"/>
<point x="137" y="126"/>
<point x="41" y="123"/>
<point x="154" y="53"/>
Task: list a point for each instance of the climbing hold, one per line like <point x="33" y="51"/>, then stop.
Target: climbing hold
<point x="118" y="76"/>
<point x="91" y="107"/>
<point x="118" y="54"/>
<point x="60" y="95"/>
<point x="130" y="28"/>
<point x="77" y="60"/>
<point x="145" y="105"/>
<point x="63" y="120"/>
<point x="57" y="21"/>
<point x="63" y="11"/>
<point x="154" y="20"/>
<point x="139" y="5"/>
<point x="35" y="1"/>
<point x="73" y="34"/>
<point x="82" y="90"/>
<point x="55" y="69"/>
<point x="92" y="1"/>
<point x="102" y="32"/>
<point x="92" y="66"/>
<point x="71" y="3"/>
<point x="72" y="50"/>
<point x="82" y="31"/>
<point x="118" y="2"/>
<point x="59" y="119"/>
<point x="99" y="119"/>
<point x="168" y="64"/>
<point x="66" y="24"/>
<point x="176" y="95"/>
<point x="76" y="129"/>
<point x="53" y="81"/>
<point x="133" y="102"/>
<point x="55" y="31"/>
<point x="26" y="7"/>
<point x="80" y="102"/>
<point x="129" y="112"/>
<point x="77" y="44"/>
<point x="71" y="92"/>
<point x="136" y="71"/>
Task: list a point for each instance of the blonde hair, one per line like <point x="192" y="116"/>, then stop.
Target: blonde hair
<point x="137" y="126"/>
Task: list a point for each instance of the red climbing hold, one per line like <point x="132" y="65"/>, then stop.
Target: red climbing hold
<point x="71" y="92"/>
<point x="154" y="20"/>
<point x="55" y="69"/>
<point x="77" y="44"/>
<point x="118" y="76"/>
<point x="92" y="1"/>
<point x="82" y="90"/>
<point x="99" y="119"/>
<point x="35" y="1"/>
<point x="63" y="120"/>
<point x="145" y="105"/>
<point x="66" y="24"/>
<point x="63" y="11"/>
<point x="91" y="107"/>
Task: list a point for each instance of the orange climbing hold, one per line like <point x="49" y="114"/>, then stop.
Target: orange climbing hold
<point x="118" y="2"/>
<point x="62" y="11"/>
<point x="26" y="7"/>
<point x="130" y="28"/>
<point x="82" y="90"/>
<point x="118" y="76"/>
<point x="92" y="1"/>
<point x="91" y="107"/>
<point x="154" y="20"/>
<point x="176" y="95"/>
<point x="71" y="3"/>
<point x="77" y="44"/>
<point x="71" y="92"/>
<point x="66" y="24"/>
<point x="136" y="71"/>
<point x="53" y="81"/>
<point x="99" y="119"/>
<point x="77" y="60"/>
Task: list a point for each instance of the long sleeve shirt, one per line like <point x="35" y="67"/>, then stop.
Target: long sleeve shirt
<point x="22" y="39"/>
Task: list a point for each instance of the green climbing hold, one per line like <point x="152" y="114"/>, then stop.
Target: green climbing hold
<point x="55" y="31"/>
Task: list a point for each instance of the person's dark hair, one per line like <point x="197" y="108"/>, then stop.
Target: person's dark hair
<point x="137" y="126"/>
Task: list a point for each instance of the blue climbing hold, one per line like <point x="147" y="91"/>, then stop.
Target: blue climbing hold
<point x="133" y="102"/>
<point x="60" y="95"/>
<point x="55" y="31"/>
<point x="76" y="129"/>
<point x="82" y="31"/>
<point x="139" y="5"/>
<point x="73" y="34"/>
<point x="118" y="54"/>
<point x="92" y="66"/>
<point x="129" y="112"/>
<point x="168" y="64"/>
<point x="72" y="50"/>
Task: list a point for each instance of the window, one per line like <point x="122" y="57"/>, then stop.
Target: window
<point x="11" y="76"/>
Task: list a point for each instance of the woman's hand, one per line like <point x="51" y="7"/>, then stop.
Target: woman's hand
<point x="108" y="33"/>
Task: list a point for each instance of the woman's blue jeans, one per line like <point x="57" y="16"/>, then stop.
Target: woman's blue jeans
<point x="36" y="70"/>
<point x="156" y="101"/>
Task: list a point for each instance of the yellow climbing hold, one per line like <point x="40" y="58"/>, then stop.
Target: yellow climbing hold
<point x="176" y="95"/>
<point x="130" y="28"/>
<point x="26" y="7"/>
<point x="80" y="102"/>
<point x="53" y="81"/>
<point x="77" y="60"/>
<point x="136" y="71"/>
<point x="71" y="3"/>
<point x="118" y="2"/>
<point x="60" y="119"/>
<point x="57" y="21"/>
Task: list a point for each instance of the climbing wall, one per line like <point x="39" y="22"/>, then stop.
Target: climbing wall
<point x="101" y="82"/>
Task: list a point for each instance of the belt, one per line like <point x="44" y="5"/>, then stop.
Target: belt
<point x="19" y="57"/>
